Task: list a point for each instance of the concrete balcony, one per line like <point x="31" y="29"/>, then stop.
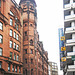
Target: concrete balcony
<point x="70" y="30"/>
<point x="70" y="42"/>
<point x="70" y="53"/>
<point x="69" y="18"/>
<point x="67" y="6"/>
<point x="71" y="68"/>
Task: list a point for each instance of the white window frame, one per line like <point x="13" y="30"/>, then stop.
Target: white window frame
<point x="17" y="37"/>
<point x="8" y="67"/>
<point x="14" y="34"/>
<point x="14" y="45"/>
<point x="17" y="57"/>
<point x="17" y="47"/>
<point x="10" y="44"/>
<point x="1" y="39"/>
<point x="11" y="22"/>
<point x="1" y="51"/>
<point x="11" y="32"/>
<point x="11" y="13"/>
<point x="1" y="26"/>
<point x="16" y="69"/>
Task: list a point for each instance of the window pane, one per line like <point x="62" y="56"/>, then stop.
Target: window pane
<point x="17" y="57"/>
<point x="14" y="45"/>
<point x="14" y="56"/>
<point x="8" y="67"/>
<point x="26" y="51"/>
<point x="10" y="55"/>
<point x="31" y="51"/>
<point x="31" y="71"/>
<point x="26" y="61"/>
<point x="1" y="39"/>
<point x="10" y="44"/>
<point x="10" y="32"/>
<point x="31" y="61"/>
<point x="1" y="26"/>
<point x="11" y="22"/>
<point x="0" y="51"/>
<point x="17" y="26"/>
<point x="31" y="42"/>
<point x="14" y="34"/>
<point x="0" y="64"/>
<point x="11" y="13"/>
<point x="19" y="69"/>
<point x="17" y="37"/>
<point x="25" y="33"/>
<point x="17" y="47"/>
<point x="26" y="71"/>
<point x="13" y="68"/>
<point x="0" y="3"/>
<point x="16" y="69"/>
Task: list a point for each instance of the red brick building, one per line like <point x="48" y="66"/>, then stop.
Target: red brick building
<point x="21" y="52"/>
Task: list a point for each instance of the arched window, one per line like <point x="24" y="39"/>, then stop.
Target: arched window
<point x="31" y="42"/>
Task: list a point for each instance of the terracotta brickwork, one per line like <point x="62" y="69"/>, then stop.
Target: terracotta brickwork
<point x="11" y="58"/>
<point x="21" y="52"/>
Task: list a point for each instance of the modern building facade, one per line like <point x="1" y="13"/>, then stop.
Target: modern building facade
<point x="69" y="33"/>
<point x="21" y="52"/>
<point x="53" y="68"/>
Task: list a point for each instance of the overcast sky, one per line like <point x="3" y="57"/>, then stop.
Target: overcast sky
<point x="50" y="18"/>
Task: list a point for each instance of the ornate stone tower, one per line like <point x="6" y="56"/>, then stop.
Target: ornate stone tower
<point x="29" y="27"/>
